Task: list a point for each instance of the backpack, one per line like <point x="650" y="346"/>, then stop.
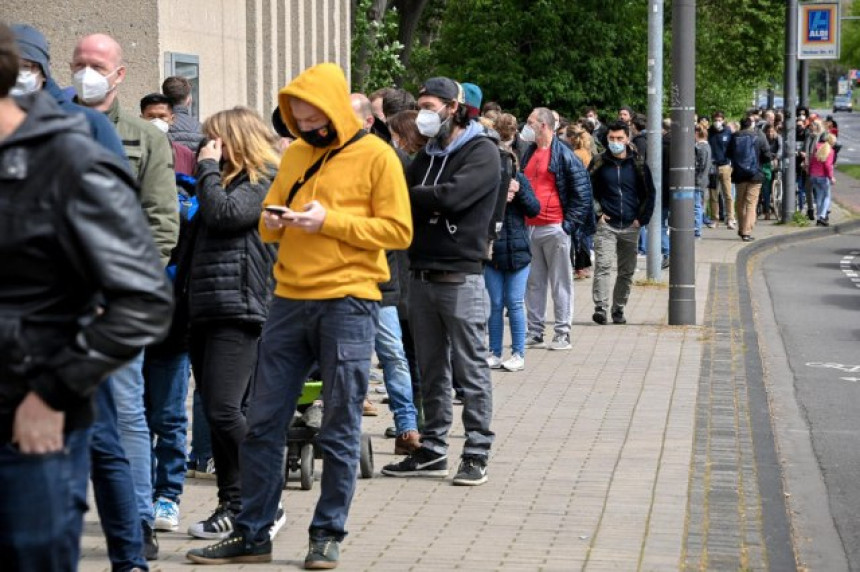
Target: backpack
<point x="745" y="157"/>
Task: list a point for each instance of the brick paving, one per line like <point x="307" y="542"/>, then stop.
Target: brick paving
<point x="631" y="451"/>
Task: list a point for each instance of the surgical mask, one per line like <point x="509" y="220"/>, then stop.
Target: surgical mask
<point x="528" y="134"/>
<point x="160" y="124"/>
<point x="28" y="82"/>
<point x="319" y="137"/>
<point x="428" y="122"/>
<point x="616" y="147"/>
<point x="718" y="125"/>
<point x="91" y="86"/>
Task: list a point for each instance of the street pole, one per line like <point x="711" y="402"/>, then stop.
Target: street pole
<point x="682" y="174"/>
<point x="655" y="129"/>
<point x="790" y="176"/>
<point x="804" y="83"/>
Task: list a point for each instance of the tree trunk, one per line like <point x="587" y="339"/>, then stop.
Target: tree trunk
<point x="409" y="14"/>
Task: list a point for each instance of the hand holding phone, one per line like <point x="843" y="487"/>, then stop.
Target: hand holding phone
<point x="277" y="210"/>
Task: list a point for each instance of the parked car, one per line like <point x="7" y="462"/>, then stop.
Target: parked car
<point x="843" y="103"/>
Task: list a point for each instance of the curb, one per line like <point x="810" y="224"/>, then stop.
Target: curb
<point x="775" y="513"/>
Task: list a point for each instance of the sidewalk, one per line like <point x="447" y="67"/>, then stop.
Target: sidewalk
<point x="634" y="450"/>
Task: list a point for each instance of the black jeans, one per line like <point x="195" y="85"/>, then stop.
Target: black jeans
<point x="223" y="357"/>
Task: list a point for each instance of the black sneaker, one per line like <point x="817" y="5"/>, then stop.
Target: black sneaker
<point x="666" y="263"/>
<point x="747" y="238"/>
<point x="234" y="549"/>
<point x="150" y="542"/>
<point x="218" y="526"/>
<point x="323" y="554"/>
<point x="421" y="463"/>
<point x="599" y="316"/>
<point x="472" y="471"/>
<point x="618" y="317"/>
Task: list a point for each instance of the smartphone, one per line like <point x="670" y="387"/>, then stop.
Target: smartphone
<point x="277" y="209"/>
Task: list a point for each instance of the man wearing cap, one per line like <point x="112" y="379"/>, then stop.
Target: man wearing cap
<point x="453" y="186"/>
<point x="109" y="466"/>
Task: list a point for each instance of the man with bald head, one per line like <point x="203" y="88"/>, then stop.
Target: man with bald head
<point x="98" y="72"/>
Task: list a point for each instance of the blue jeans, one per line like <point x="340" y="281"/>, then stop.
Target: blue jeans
<point x="507" y="290"/>
<point x="821" y="188"/>
<point x="127" y="386"/>
<point x="338" y="334"/>
<point x="166" y="376"/>
<point x="395" y="370"/>
<point x="40" y="518"/>
<point x="664" y="233"/>
<point x="113" y="487"/>
<point x="201" y="435"/>
<point x="699" y="210"/>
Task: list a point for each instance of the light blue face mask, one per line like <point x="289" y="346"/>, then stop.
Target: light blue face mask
<point x="616" y="148"/>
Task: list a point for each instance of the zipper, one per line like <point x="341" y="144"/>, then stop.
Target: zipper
<point x="620" y="194"/>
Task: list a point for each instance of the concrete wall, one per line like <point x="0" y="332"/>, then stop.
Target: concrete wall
<point x="247" y="50"/>
<point x="134" y="23"/>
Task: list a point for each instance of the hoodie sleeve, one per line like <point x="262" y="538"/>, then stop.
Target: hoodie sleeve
<point x="108" y="234"/>
<point x="390" y="225"/>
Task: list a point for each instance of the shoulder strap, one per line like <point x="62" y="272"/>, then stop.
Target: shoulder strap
<point x="312" y="170"/>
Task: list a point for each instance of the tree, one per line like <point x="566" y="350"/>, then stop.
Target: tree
<point x="375" y="48"/>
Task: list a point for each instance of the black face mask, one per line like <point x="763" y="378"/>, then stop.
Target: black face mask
<point x="319" y="137"/>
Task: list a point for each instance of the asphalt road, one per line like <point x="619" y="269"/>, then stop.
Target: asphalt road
<point x="815" y="289"/>
<point x="849" y="134"/>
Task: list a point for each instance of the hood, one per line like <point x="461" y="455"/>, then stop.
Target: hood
<point x="323" y="86"/>
<point x="44" y="118"/>
<point x="474" y="129"/>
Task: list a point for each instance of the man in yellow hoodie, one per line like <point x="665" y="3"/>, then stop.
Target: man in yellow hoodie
<point x="333" y="225"/>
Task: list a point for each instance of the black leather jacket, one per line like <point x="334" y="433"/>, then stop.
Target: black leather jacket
<point x="82" y="289"/>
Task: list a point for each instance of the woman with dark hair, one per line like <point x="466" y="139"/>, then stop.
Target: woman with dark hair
<point x="229" y="289"/>
<point x="404" y="132"/>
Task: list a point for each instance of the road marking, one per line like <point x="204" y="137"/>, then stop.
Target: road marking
<point x="831" y="365"/>
<point x="854" y="379"/>
<point x="847" y="267"/>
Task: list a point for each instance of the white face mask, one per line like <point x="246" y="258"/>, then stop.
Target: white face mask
<point x="528" y="134"/>
<point x="160" y="124"/>
<point x="718" y="125"/>
<point x="28" y="82"/>
<point x="91" y="86"/>
<point x="428" y="122"/>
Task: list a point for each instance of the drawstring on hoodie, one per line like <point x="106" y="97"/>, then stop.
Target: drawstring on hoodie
<point x="452" y="228"/>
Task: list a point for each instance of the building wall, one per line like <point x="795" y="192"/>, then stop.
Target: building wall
<point x="132" y="22"/>
<point x="247" y="50"/>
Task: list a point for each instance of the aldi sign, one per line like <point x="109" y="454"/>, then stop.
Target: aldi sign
<point x="818" y="33"/>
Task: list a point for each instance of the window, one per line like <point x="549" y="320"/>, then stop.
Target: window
<point x="187" y="66"/>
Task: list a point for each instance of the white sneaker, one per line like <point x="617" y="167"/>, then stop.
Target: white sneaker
<point x="494" y="361"/>
<point x="515" y="363"/>
<point x="732" y="225"/>
<point x="280" y="521"/>
<point x="166" y="514"/>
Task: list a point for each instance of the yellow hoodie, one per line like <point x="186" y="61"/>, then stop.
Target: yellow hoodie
<point x="362" y="189"/>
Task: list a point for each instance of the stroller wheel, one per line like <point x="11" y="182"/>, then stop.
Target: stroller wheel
<point x="366" y="458"/>
<point x="307" y="467"/>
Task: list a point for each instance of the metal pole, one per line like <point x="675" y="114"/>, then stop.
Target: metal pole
<point x="804" y="84"/>
<point x="655" y="126"/>
<point x="790" y="177"/>
<point x="682" y="174"/>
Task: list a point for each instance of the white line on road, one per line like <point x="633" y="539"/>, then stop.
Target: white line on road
<point x="847" y="267"/>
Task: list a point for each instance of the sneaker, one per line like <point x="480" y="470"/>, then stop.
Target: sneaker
<point x="599" y="316"/>
<point x="323" y="554"/>
<point x="560" y="342"/>
<point x="731" y="225"/>
<point x="747" y="238"/>
<point x="618" y="317"/>
<point x="535" y="341"/>
<point x="457" y="397"/>
<point x="665" y="264"/>
<point x="166" y="515"/>
<point x="150" y="542"/>
<point x="407" y="443"/>
<point x="205" y="469"/>
<point x="390" y="432"/>
<point x="494" y="361"/>
<point x="472" y="471"/>
<point x="515" y="363"/>
<point x="234" y="549"/>
<point x="280" y="521"/>
<point x="217" y="527"/>
<point x="421" y="463"/>
<point x="369" y="409"/>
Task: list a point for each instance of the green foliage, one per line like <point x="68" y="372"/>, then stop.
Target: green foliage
<point x="375" y="50"/>
<point x="799" y="218"/>
<point x="567" y="55"/>
<point x="849" y="51"/>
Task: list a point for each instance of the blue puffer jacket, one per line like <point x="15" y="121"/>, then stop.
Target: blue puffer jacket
<point x="574" y="187"/>
<point x="512" y="249"/>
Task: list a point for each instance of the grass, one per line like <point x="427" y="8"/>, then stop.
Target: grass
<point x="850" y="170"/>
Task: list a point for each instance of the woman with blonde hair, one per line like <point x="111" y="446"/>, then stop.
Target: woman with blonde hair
<point x="821" y="175"/>
<point x="580" y="251"/>
<point x="229" y="289"/>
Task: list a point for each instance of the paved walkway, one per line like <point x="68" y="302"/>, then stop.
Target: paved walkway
<point x="632" y="451"/>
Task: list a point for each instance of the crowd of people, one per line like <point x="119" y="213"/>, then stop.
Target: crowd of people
<point x="256" y="254"/>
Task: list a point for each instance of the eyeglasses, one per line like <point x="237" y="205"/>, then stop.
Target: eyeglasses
<point x="28" y="66"/>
